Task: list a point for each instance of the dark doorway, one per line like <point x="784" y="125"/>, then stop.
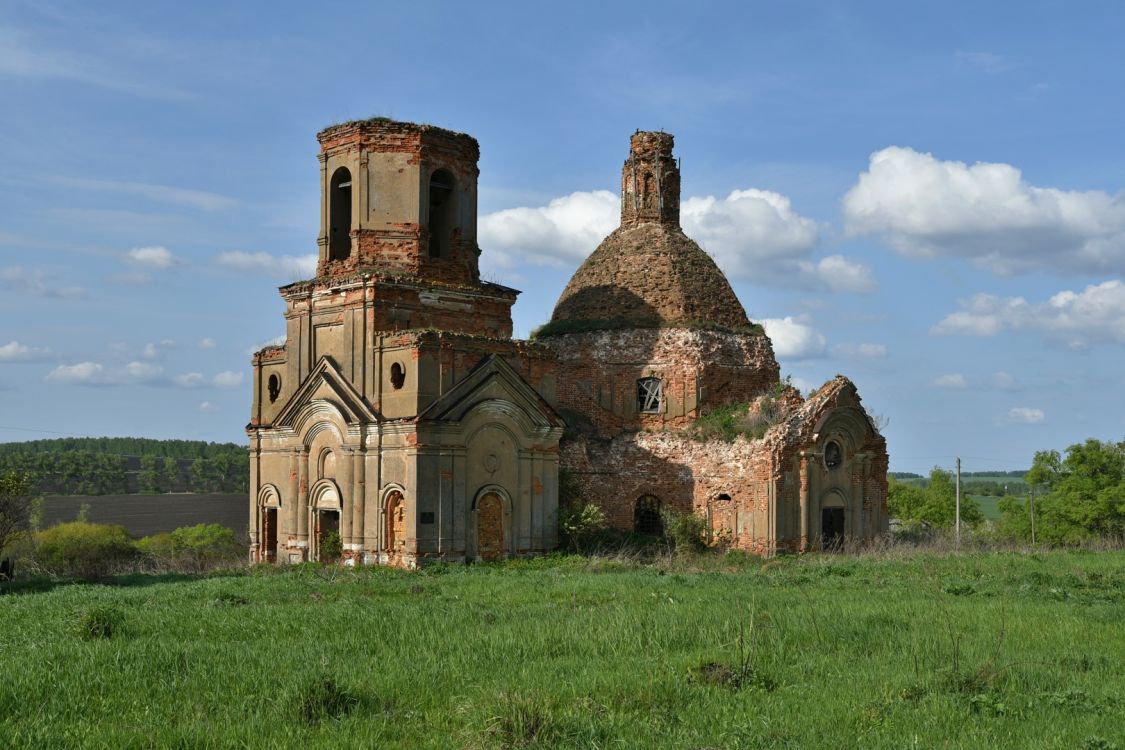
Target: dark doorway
<point x="832" y="527"/>
<point x="328" y="547"/>
<point x="646" y="516"/>
<point x="269" y="535"/>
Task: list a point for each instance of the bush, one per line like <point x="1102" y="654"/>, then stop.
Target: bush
<point x="199" y="546"/>
<point x="331" y="547"/>
<point x="687" y="532"/>
<point x="579" y="525"/>
<point x="86" y="550"/>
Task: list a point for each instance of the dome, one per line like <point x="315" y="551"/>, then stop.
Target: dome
<point x="648" y="275"/>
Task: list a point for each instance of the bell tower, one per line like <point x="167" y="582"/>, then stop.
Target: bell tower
<point x="398" y="199"/>
<point x="650" y="181"/>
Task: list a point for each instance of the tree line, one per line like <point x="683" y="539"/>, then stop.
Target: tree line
<point x="108" y="466"/>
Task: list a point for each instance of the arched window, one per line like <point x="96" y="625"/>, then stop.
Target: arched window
<point x="398" y="376"/>
<point x="340" y="215"/>
<point x="649" y="393"/>
<point x="274" y="387"/>
<point x="833" y="456"/>
<point x="646" y="516"/>
<point x="443" y="212"/>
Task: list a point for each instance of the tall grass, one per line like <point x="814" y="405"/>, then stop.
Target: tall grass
<point x="992" y="649"/>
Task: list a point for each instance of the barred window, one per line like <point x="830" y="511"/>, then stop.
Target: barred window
<point x="649" y="393"/>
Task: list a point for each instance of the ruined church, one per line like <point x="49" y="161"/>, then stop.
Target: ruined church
<point x="400" y="423"/>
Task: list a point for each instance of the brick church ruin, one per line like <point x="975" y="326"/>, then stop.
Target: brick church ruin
<point x="400" y="414"/>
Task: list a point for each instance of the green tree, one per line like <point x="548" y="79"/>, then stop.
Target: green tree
<point x="1084" y="494"/>
<point x="17" y="505"/>
<point x="933" y="506"/>
<point x="172" y="478"/>
<point x="150" y="478"/>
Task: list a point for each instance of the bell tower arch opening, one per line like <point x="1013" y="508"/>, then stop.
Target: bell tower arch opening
<point x="443" y="212"/>
<point x="340" y="215"/>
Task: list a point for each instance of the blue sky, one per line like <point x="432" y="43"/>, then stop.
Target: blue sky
<point x="926" y="197"/>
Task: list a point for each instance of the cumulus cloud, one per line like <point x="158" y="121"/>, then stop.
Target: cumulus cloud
<point x="37" y="283"/>
<point x="1002" y="381"/>
<point x="752" y="234"/>
<point x="207" y="406"/>
<point x="188" y="380"/>
<point x="207" y="343"/>
<point x="83" y="373"/>
<point x="952" y="381"/>
<point x="156" y="349"/>
<point x="290" y="267"/>
<point x="794" y="339"/>
<point x="227" y="379"/>
<point x="1078" y="319"/>
<point x="986" y="213"/>
<point x="153" y="257"/>
<point x="14" y="351"/>
<point x="860" y="351"/>
<point x="96" y="374"/>
<point x="1026" y="415"/>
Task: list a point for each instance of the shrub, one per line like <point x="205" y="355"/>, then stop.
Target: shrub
<point x="200" y="546"/>
<point x="86" y="550"/>
<point x="579" y="525"/>
<point x="687" y="532"/>
<point x="331" y="547"/>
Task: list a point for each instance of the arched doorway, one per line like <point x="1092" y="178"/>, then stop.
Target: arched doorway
<point x="490" y="526"/>
<point x="269" y="500"/>
<point x="832" y="529"/>
<point x="395" y="522"/>
<point x="646" y="516"/>
<point x="325" y="506"/>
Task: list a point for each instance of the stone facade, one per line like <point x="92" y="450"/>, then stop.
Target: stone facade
<point x="401" y="416"/>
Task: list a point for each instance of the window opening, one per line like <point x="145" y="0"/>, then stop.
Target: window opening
<point x="649" y="391"/>
<point x="340" y="215"/>
<point x="442" y="212"/>
<point x="724" y="498"/>
<point x="646" y="516"/>
<point x="398" y="376"/>
<point x="274" y="387"/>
<point x="833" y="456"/>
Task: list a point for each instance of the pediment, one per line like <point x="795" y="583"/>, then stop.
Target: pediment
<point x="327" y="384"/>
<point x="493" y="382"/>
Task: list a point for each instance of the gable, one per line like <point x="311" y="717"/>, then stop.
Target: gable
<point x="327" y="384"/>
<point x="493" y="382"/>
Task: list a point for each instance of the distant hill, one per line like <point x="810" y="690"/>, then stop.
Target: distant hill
<point x="115" y="465"/>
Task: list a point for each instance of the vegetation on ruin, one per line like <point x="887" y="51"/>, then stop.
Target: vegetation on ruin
<point x="997" y="650"/>
<point x="560" y="327"/>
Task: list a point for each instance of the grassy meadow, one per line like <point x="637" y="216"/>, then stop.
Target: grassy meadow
<point x="995" y="650"/>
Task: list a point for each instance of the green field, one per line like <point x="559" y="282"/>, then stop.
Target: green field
<point x="983" y="650"/>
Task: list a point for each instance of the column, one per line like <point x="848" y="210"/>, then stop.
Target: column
<point x="290" y="501"/>
<point x="856" y="512"/>
<point x="303" y="500"/>
<point x="359" y="497"/>
<point x="344" y="480"/>
<point x="803" y="530"/>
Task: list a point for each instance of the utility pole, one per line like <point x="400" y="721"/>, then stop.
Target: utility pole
<point x="1031" y="507"/>
<point x="957" y="521"/>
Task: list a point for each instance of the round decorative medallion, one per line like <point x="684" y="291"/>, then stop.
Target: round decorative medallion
<point x="491" y="463"/>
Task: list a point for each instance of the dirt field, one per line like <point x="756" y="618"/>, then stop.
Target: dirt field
<point x="142" y="515"/>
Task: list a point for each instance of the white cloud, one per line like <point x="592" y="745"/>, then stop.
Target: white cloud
<point x="156" y="349"/>
<point x="752" y="234"/>
<point x="228" y="379"/>
<point x="152" y="257"/>
<point x="37" y="283"/>
<point x="985" y="213"/>
<point x="860" y="351"/>
<point x="1002" y="381"/>
<point x="14" y="351"/>
<point x="140" y="371"/>
<point x="199" y="199"/>
<point x="207" y="406"/>
<point x="1026" y="415"/>
<point x="952" y="381"/>
<point x="794" y="339"/>
<point x="1078" y="319"/>
<point x="83" y="373"/>
<point x="207" y="343"/>
<point x="188" y="380"/>
<point x="562" y="233"/>
<point x="291" y="267"/>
